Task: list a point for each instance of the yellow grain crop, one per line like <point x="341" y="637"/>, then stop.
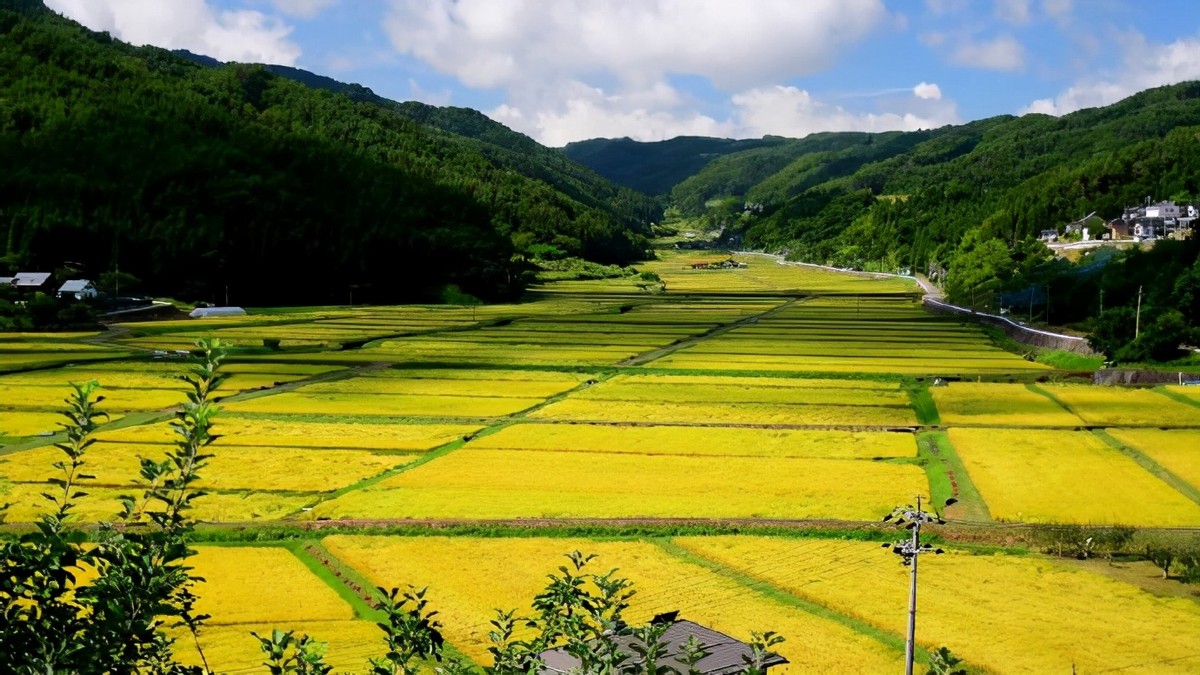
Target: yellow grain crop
<point x="1190" y="392"/>
<point x="436" y="387"/>
<point x="29" y="423"/>
<point x="1001" y="613"/>
<point x="1177" y="450"/>
<point x="102" y="504"/>
<point x="231" y="467"/>
<point x="249" y="431"/>
<point x="584" y="410"/>
<point x="1122" y="406"/>
<point x="393" y="405"/>
<point x="461" y="573"/>
<point x="1066" y="477"/>
<point x="719" y="380"/>
<point x="999" y="405"/>
<point x="260" y="588"/>
<point x="743" y="392"/>
<point x="728" y="441"/>
<point x="521" y="483"/>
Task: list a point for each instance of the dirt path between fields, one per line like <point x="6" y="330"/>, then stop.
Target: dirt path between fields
<point x="642" y="359"/>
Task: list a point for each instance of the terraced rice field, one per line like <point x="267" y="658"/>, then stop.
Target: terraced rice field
<point x="260" y="588"/>
<point x="999" y="613"/>
<point x="972" y="404"/>
<point x="463" y="570"/>
<point x="483" y="483"/>
<point x="1122" y="407"/>
<point x="1066" y="476"/>
<point x="1177" y="450"/>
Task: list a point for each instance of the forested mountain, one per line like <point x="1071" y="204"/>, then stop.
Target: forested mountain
<point x="194" y="178"/>
<point x="963" y="202"/>
<point x="653" y="168"/>
<point x="498" y="143"/>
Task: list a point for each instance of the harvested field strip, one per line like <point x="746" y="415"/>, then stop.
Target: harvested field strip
<point x="460" y="572"/>
<point x="494" y="484"/>
<point x="714" y="441"/>
<point x="1066" y="477"/>
<point x="1065" y="612"/>
<point x="582" y="410"/>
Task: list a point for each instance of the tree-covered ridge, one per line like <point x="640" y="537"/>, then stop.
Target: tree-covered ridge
<point x="196" y="178"/>
<point x="654" y="168"/>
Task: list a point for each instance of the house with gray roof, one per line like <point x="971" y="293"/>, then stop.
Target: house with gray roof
<point x="32" y="281"/>
<point x="723" y="655"/>
<point x="80" y="289"/>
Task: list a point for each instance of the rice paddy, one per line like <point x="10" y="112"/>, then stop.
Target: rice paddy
<point x="773" y="394"/>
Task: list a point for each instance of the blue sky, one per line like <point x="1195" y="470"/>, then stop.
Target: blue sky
<point x="565" y="70"/>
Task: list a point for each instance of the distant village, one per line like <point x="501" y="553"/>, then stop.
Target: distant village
<point x="1153" y="221"/>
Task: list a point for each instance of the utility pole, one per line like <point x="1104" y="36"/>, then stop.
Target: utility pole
<point x="912" y="519"/>
<point x="1137" y="319"/>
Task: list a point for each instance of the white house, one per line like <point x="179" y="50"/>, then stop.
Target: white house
<point x="213" y="312"/>
<point x="81" y="289"/>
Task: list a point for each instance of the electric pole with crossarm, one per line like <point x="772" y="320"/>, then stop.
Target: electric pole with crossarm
<point x="910" y="550"/>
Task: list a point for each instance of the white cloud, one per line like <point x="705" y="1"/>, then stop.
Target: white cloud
<point x="241" y="35"/>
<point x="496" y="43"/>
<point x="789" y="111"/>
<point x="304" y="9"/>
<point x="928" y="91"/>
<point x="1144" y="66"/>
<point x="1000" y="53"/>
<point x="1013" y="11"/>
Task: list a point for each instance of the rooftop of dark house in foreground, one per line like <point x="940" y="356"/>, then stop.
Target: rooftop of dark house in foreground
<point x="724" y="655"/>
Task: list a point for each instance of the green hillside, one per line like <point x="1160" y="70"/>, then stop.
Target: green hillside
<point x="193" y="178"/>
<point x="654" y="168"/>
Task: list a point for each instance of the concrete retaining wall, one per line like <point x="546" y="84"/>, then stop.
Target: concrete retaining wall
<point x="1014" y="330"/>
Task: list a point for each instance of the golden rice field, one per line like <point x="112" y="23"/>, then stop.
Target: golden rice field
<point x="1124" y="407"/>
<point x="232" y="467"/>
<point x="721" y="441"/>
<point x="390" y="405"/>
<point x="488" y="484"/>
<point x="1176" y="450"/>
<point x="579" y="409"/>
<point x="650" y="390"/>
<point x="274" y="432"/>
<point x="1190" y="392"/>
<point x="1000" y="613"/>
<point x="1066" y="476"/>
<point x="103" y="504"/>
<point x="984" y="404"/>
<point x="764" y="274"/>
<point x="462" y="572"/>
<point x="259" y="588"/>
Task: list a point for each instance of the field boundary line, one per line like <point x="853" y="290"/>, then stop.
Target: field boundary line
<point x="441" y="450"/>
<point x="1175" y="397"/>
<point x="1033" y="386"/>
<point x="654" y="355"/>
<point x="1149" y="464"/>
<point x="770" y="591"/>
<point x="971" y="504"/>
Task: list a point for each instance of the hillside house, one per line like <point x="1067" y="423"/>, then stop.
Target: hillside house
<point x="724" y="655"/>
<point x="79" y="289"/>
<point x="33" y="282"/>
<point x="1118" y="229"/>
<point x="1160" y="219"/>
<point x="6" y="281"/>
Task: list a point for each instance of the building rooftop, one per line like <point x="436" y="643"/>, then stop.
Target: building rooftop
<point x="74" y="285"/>
<point x="724" y="655"/>
<point x="31" y="279"/>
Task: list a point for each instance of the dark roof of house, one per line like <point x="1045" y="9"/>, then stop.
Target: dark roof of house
<point x="724" y="655"/>
<point x="31" y="278"/>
